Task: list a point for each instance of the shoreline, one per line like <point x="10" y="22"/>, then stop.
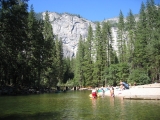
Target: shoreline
<point x="140" y="92"/>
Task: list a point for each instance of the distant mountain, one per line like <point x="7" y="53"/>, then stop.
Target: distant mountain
<point x="68" y="28"/>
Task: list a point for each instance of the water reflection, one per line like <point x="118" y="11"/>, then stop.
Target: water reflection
<point x="77" y="106"/>
<point x="94" y="103"/>
<point x="112" y="101"/>
<point x="122" y="106"/>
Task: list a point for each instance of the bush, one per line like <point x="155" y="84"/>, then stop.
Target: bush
<point x="139" y="76"/>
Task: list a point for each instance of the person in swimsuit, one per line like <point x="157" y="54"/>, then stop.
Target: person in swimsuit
<point x="94" y="93"/>
<point x="112" y="91"/>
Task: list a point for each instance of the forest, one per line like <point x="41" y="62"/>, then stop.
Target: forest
<point x="32" y="56"/>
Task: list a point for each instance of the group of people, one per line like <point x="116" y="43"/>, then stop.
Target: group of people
<point x="94" y="92"/>
<point x="123" y="86"/>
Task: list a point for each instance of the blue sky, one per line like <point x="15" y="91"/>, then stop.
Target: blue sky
<point x="94" y="10"/>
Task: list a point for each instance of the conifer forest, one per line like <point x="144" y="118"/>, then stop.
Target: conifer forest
<point x="31" y="55"/>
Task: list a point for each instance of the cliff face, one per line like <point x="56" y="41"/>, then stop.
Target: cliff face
<point x="69" y="28"/>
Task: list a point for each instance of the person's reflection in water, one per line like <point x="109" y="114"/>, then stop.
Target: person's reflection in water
<point x="112" y="101"/>
<point x="94" y="103"/>
<point x="94" y="107"/>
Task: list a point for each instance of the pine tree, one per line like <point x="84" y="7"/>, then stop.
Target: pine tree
<point x="156" y="46"/>
<point x="33" y="47"/>
<point x="130" y="27"/>
<point x="79" y="72"/>
<point x="88" y="63"/>
<point x="13" y="33"/>
<point x="49" y="50"/>
<point x="38" y="52"/>
<point x="107" y="48"/>
<point x="107" y="43"/>
<point x="68" y="70"/>
<point x="59" y="61"/>
<point x="97" y="73"/>
<point x="140" y="55"/>
<point x="153" y="37"/>
<point x="121" y="38"/>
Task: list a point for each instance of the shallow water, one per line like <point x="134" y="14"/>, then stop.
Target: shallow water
<point x="76" y="105"/>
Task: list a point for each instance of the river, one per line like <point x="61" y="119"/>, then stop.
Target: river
<point x="76" y="105"/>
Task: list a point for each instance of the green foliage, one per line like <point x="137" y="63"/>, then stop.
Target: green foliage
<point x="121" y="41"/>
<point x="33" y="56"/>
<point x="59" y="61"/>
<point x="88" y="62"/>
<point x="27" y="47"/>
<point x="139" y="76"/>
<point x="79" y="70"/>
<point x="13" y="38"/>
<point x="98" y="68"/>
<point x="117" y="72"/>
<point x="68" y="70"/>
<point x="112" y="74"/>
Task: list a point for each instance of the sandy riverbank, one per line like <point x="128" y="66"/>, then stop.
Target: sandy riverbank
<point x="148" y="92"/>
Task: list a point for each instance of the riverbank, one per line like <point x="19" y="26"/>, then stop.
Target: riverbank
<point x="140" y="92"/>
<point x="143" y="92"/>
<point x="23" y="90"/>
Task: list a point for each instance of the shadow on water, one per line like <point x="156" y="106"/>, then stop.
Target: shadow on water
<point x="37" y="116"/>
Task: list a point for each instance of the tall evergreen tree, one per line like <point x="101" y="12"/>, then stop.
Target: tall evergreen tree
<point x="33" y="50"/>
<point x="130" y="27"/>
<point x="107" y="43"/>
<point x="98" y="66"/>
<point x="79" y="72"/>
<point x="88" y="63"/>
<point x="121" y="38"/>
<point x="49" y="52"/>
<point x="38" y="53"/>
<point x="140" y="54"/>
<point x="13" y="16"/>
<point x="68" y="70"/>
<point x="59" y="61"/>
<point x="153" y="37"/>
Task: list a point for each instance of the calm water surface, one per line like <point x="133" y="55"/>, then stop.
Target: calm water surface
<point x="76" y="105"/>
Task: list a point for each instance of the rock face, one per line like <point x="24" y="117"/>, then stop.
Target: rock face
<point x="69" y="27"/>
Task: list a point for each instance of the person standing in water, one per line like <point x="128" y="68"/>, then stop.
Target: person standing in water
<point x="94" y="93"/>
<point x="103" y="91"/>
<point x="112" y="91"/>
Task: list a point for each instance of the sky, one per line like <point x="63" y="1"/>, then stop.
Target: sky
<point x="93" y="10"/>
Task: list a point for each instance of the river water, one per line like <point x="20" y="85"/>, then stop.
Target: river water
<point x="76" y="105"/>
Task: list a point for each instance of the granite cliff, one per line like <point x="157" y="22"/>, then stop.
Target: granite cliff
<point x="69" y="27"/>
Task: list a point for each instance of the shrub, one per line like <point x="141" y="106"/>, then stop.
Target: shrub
<point x="139" y="76"/>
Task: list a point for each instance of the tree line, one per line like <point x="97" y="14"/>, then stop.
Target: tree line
<point x="31" y="55"/>
<point x="137" y="58"/>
